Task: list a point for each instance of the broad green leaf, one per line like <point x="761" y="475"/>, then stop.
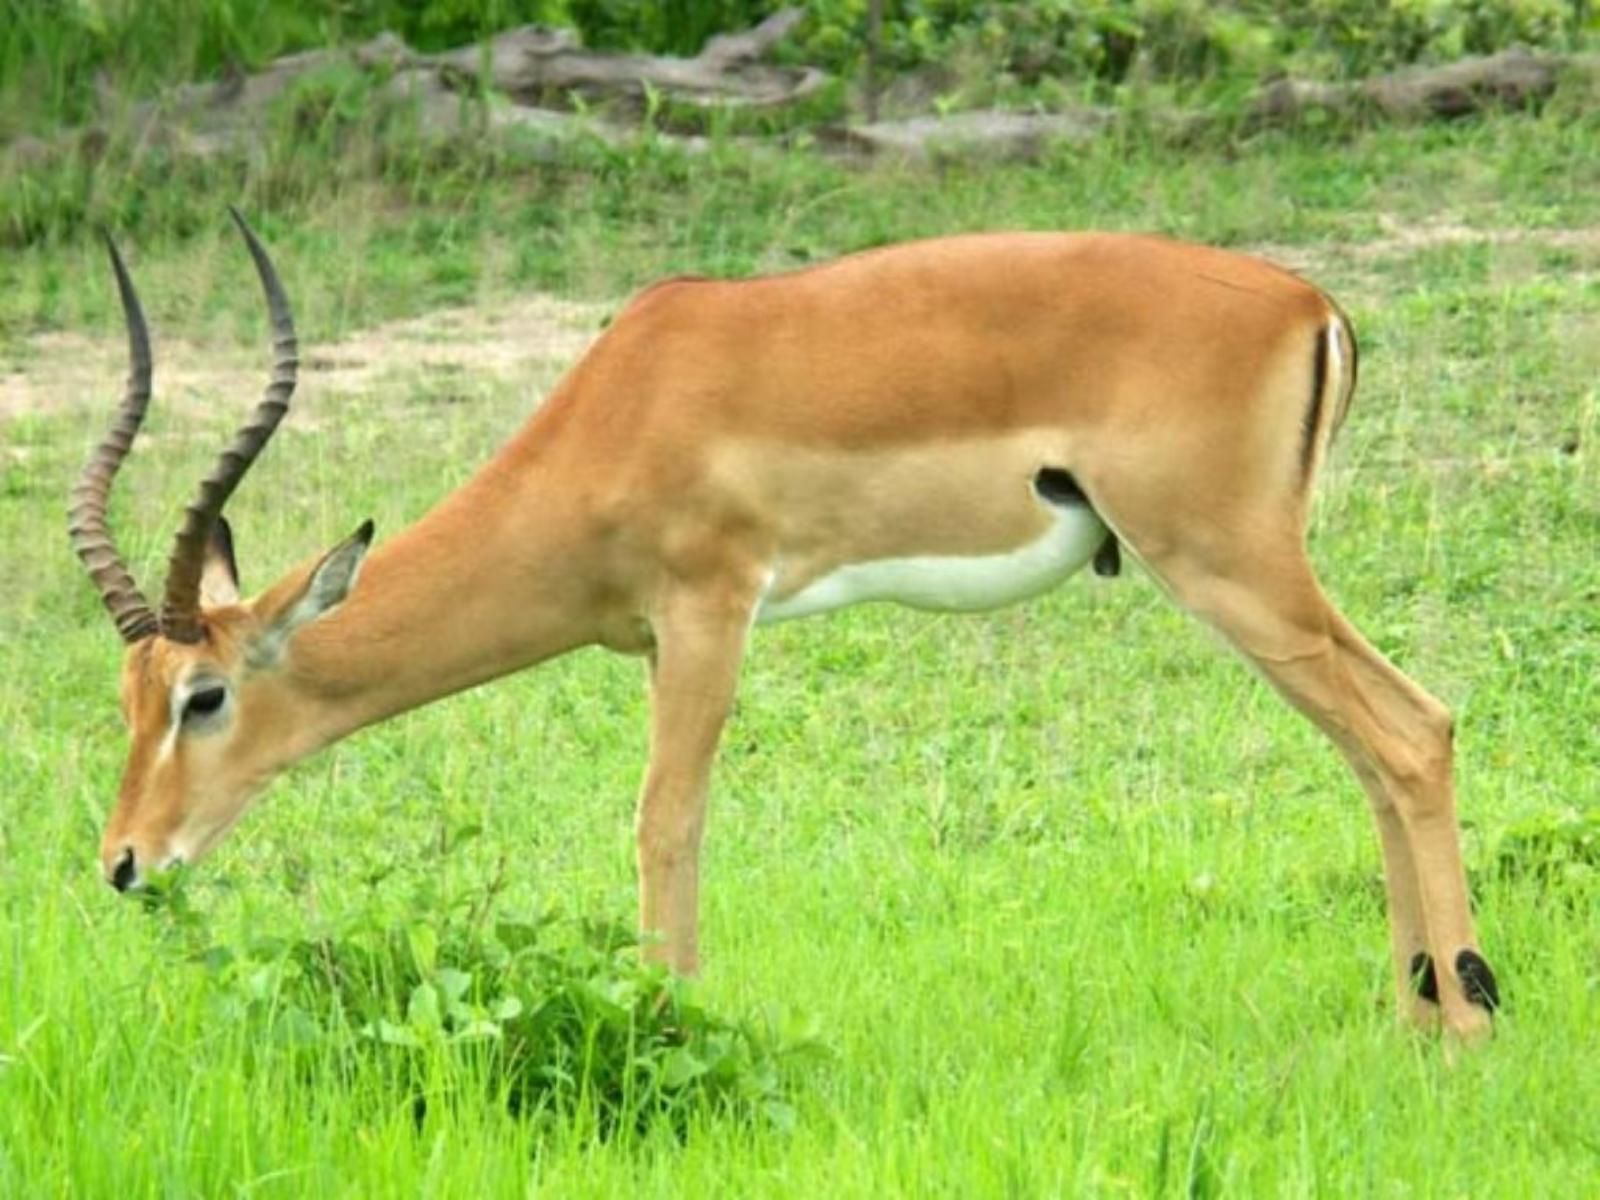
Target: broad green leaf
<point x="680" y="1068"/>
<point x="391" y="1034"/>
<point x="424" y="942"/>
<point x="781" y="1115"/>
<point x="423" y="1010"/>
<point x="462" y="836"/>
<point x="453" y="983"/>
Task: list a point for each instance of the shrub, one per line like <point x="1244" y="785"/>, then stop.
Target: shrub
<point x="554" y="1017"/>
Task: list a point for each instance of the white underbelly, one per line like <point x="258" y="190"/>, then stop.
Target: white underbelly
<point x="953" y="584"/>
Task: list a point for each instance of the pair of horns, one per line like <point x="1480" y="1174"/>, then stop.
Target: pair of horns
<point x="179" y="618"/>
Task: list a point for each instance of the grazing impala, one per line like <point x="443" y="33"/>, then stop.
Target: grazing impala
<point x="954" y="424"/>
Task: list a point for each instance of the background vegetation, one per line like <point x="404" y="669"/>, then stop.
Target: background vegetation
<point x="58" y="60"/>
<point x="1055" y="901"/>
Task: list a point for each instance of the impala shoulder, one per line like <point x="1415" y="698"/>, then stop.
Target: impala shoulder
<point x="664" y="295"/>
<point x="660" y="316"/>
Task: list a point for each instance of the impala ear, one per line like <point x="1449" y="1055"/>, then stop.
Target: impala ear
<point x="219" y="575"/>
<point x="303" y="598"/>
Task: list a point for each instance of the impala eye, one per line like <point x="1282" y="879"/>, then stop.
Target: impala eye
<point x="204" y="702"/>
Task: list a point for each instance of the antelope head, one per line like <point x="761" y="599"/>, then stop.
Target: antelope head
<point x="211" y="712"/>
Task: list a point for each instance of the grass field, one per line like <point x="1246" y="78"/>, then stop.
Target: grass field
<point x="1071" y="902"/>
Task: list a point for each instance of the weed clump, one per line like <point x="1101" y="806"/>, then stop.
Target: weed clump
<point x="1559" y="850"/>
<point x="553" y="1016"/>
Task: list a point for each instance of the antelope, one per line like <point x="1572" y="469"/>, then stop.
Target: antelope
<point x="954" y="424"/>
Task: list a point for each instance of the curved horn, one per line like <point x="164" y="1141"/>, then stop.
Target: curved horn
<point x="86" y="512"/>
<point x="180" y="608"/>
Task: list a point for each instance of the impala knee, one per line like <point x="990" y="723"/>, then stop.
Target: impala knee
<point x="1441" y="724"/>
<point x="1434" y="739"/>
<point x="1418" y="757"/>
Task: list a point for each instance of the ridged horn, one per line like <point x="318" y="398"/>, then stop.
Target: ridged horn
<point x="180" y="607"/>
<point x="86" y="511"/>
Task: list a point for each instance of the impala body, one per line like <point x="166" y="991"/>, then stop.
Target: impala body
<point x="953" y="424"/>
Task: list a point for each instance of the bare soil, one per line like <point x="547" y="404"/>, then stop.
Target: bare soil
<point x="519" y="343"/>
<point x="527" y="340"/>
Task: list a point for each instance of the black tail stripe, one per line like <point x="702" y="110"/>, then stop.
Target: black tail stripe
<point x="1355" y="365"/>
<point x="1319" y="380"/>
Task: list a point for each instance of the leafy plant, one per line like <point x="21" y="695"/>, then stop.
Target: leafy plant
<point x="553" y="1016"/>
<point x="1561" y="848"/>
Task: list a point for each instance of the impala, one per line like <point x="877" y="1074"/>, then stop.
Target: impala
<point x="953" y="424"/>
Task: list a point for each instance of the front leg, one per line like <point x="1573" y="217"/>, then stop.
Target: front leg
<point x="694" y="670"/>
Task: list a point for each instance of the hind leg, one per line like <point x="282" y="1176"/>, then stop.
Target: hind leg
<point x="1411" y="737"/>
<point x="1259" y="591"/>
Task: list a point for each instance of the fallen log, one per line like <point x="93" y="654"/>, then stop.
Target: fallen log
<point x="1512" y="79"/>
<point x="988" y="134"/>
<point x="542" y="66"/>
<point x="538" y="76"/>
<point x="544" y="73"/>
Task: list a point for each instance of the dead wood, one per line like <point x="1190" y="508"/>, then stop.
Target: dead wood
<point x="540" y="71"/>
<point x="536" y="65"/>
<point x="536" y="76"/>
<point x="1512" y="79"/>
<point x="986" y="134"/>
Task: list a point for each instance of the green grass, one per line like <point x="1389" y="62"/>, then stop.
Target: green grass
<point x="1074" y="903"/>
<point x="395" y="227"/>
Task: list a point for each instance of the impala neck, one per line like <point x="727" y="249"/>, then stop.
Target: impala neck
<point x="489" y="582"/>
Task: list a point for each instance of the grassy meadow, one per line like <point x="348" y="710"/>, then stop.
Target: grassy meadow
<point x="1059" y="900"/>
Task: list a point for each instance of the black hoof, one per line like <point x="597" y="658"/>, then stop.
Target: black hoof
<point x="1423" y="981"/>
<point x="1108" y="559"/>
<point x="1477" y="980"/>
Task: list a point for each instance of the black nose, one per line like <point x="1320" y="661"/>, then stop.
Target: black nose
<point x="124" y="873"/>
